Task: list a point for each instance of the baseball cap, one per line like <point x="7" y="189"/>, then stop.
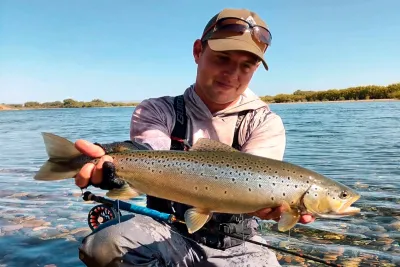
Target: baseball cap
<point x="242" y="42"/>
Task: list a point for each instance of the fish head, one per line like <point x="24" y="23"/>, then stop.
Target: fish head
<point x="330" y="200"/>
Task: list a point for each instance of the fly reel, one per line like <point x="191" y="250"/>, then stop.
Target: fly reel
<point x="101" y="214"/>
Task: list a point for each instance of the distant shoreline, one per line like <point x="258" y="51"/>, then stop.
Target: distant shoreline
<point x="8" y="108"/>
<point x="369" y="93"/>
<point x="341" y="101"/>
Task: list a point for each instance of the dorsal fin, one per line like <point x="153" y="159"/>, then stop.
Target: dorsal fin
<point x="204" y="144"/>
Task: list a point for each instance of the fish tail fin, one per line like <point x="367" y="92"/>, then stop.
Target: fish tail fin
<point x="60" y="152"/>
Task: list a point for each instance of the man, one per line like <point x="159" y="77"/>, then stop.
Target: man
<point x="218" y="106"/>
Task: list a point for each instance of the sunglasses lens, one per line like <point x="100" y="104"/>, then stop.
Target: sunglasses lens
<point x="236" y="28"/>
<point x="263" y="35"/>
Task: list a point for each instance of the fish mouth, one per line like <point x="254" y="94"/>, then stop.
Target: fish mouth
<point x="343" y="213"/>
<point x="345" y="210"/>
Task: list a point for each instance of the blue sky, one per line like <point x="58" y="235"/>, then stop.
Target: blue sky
<point x="130" y="50"/>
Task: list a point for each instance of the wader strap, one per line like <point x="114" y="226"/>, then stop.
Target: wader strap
<point x="241" y="115"/>
<point x="178" y="135"/>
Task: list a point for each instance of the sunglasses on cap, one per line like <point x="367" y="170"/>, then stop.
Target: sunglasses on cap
<point x="239" y="26"/>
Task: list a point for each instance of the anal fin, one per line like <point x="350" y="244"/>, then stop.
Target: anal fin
<point x="196" y="218"/>
<point x="288" y="219"/>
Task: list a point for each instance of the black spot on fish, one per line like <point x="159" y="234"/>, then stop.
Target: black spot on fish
<point x="250" y="189"/>
<point x="225" y="192"/>
<point x="273" y="184"/>
<point x="301" y="176"/>
<point x="308" y="182"/>
<point x="316" y="195"/>
<point x="247" y="179"/>
<point x="122" y="167"/>
<point x="259" y="185"/>
<point x="206" y="188"/>
<point x="272" y="198"/>
<point x="276" y="171"/>
<point x="233" y="179"/>
<point x="216" y="177"/>
<point x="295" y="186"/>
<point x="195" y="188"/>
<point x="288" y="178"/>
<point x="284" y="194"/>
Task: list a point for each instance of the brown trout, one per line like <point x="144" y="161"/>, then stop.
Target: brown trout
<point x="211" y="177"/>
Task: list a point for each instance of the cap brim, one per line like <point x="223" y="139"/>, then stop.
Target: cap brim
<point x="237" y="43"/>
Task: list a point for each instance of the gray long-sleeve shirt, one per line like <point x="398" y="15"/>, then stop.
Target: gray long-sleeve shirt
<point x="261" y="133"/>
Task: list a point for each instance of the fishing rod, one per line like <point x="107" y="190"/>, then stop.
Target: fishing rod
<point x="110" y="208"/>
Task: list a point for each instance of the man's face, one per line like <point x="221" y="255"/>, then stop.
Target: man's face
<point x="222" y="76"/>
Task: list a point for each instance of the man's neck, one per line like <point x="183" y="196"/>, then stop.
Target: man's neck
<point x="214" y="107"/>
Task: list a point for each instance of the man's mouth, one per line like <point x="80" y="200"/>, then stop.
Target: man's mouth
<point x="224" y="85"/>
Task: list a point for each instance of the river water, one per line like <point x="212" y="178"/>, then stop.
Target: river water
<point x="355" y="143"/>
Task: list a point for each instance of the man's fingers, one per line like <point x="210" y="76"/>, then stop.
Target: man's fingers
<point x="83" y="177"/>
<point x="97" y="176"/>
<point x="275" y="214"/>
<point x="89" y="148"/>
<point x="306" y="218"/>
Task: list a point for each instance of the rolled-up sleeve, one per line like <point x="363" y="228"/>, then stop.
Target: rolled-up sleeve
<point x="151" y="123"/>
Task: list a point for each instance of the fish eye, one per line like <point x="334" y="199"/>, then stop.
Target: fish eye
<point x="344" y="194"/>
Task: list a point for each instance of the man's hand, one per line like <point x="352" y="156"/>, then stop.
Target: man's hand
<point x="275" y="214"/>
<point x="90" y="171"/>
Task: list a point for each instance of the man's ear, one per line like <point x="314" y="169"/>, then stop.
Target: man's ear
<point x="197" y="50"/>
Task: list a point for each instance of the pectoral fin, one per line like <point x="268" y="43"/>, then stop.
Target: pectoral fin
<point x="125" y="192"/>
<point x="196" y="218"/>
<point x="289" y="218"/>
